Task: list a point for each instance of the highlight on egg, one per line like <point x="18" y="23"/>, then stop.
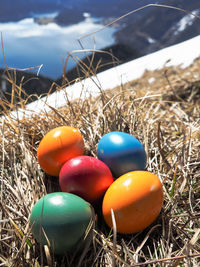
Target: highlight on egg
<point x="136" y="199"/>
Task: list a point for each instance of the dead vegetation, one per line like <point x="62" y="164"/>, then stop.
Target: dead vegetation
<point x="161" y="109"/>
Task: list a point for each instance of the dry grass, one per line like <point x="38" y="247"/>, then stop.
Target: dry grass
<point x="163" y="112"/>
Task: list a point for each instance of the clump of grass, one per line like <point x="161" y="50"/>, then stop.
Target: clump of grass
<point x="165" y="117"/>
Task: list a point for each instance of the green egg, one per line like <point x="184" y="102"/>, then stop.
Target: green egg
<point x="60" y="219"/>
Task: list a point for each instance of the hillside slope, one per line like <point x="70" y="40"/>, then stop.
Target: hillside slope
<point x="111" y="78"/>
<point x="161" y="27"/>
<point x="19" y="86"/>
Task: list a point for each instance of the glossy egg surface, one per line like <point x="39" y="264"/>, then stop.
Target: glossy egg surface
<point x="136" y="199"/>
<point x="61" y="217"/>
<point x="85" y="176"/>
<point x="122" y="153"/>
<point x="58" y="146"/>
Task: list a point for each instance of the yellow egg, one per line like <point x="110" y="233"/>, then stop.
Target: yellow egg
<point x="136" y="199"/>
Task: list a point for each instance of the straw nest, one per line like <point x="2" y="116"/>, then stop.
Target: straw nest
<point x="161" y="109"/>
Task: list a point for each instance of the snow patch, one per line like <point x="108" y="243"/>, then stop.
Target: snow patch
<point x="151" y="40"/>
<point x="182" y="54"/>
<point x="186" y="21"/>
<point x="86" y="15"/>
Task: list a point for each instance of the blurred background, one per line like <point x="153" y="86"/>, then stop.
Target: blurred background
<point x="39" y="34"/>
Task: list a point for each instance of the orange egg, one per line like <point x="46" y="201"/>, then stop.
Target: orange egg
<point x="136" y="199"/>
<point x="58" y="146"/>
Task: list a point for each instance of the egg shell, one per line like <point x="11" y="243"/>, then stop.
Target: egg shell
<point x="136" y="199"/>
<point x="122" y="153"/>
<point x="58" y="146"/>
<point x="87" y="177"/>
<point x="63" y="217"/>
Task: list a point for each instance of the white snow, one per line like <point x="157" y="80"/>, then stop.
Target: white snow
<point x="186" y="21"/>
<point x="151" y="40"/>
<point x="86" y="15"/>
<point x="182" y="54"/>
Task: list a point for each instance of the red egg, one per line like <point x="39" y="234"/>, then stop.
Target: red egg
<point x="85" y="176"/>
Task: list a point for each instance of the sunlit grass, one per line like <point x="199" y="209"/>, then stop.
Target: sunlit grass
<point x="165" y="118"/>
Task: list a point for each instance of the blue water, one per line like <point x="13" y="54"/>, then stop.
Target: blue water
<point x="28" y="44"/>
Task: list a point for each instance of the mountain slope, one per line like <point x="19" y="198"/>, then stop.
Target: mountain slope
<point x="103" y="8"/>
<point x="98" y="62"/>
<point x="117" y="76"/>
<point x="16" y="10"/>
<point x="31" y="85"/>
<point x="161" y="27"/>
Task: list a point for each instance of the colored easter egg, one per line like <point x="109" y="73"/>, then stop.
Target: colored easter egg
<point x="85" y="176"/>
<point x="58" y="146"/>
<point x="122" y="153"/>
<point x="61" y="219"/>
<point x="136" y="199"/>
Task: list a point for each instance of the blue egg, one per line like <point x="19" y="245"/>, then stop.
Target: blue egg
<point x="121" y="152"/>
